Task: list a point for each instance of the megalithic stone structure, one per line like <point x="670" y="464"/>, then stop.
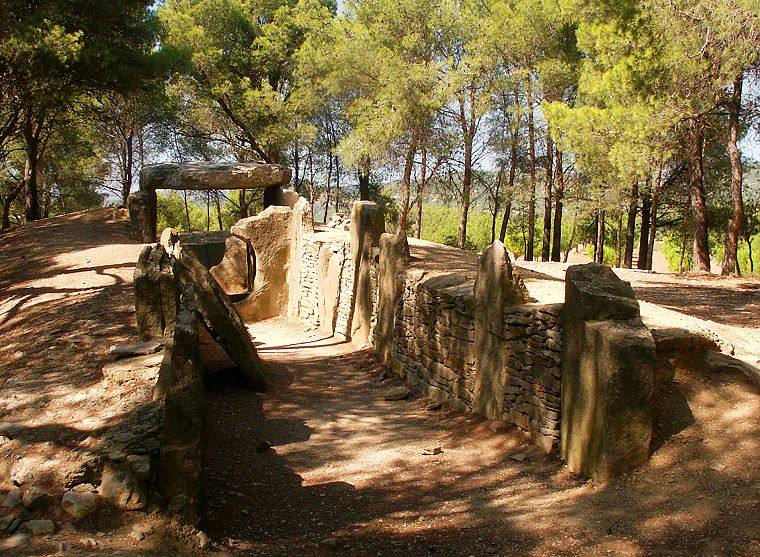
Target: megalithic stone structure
<point x="608" y="370"/>
<point x="201" y="176"/>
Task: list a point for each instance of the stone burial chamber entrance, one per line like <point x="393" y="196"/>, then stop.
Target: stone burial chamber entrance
<point x="202" y="176"/>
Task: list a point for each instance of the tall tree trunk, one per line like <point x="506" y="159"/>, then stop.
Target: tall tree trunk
<point x="570" y="243"/>
<point x="420" y="192"/>
<point x="218" y="210"/>
<point x="514" y="143"/>
<point x="329" y="181"/>
<point x="630" y="230"/>
<point x="618" y="238"/>
<point x="532" y="154"/>
<point x="497" y="194"/>
<point x="297" y="168"/>
<point x="559" y="191"/>
<point x="600" y="238"/>
<point x="129" y="155"/>
<point x="406" y="181"/>
<point x="646" y="211"/>
<point x="468" y="136"/>
<point x="736" y="224"/>
<point x="8" y="203"/>
<point x="187" y="210"/>
<point x="749" y="249"/>
<point x="32" y="133"/>
<point x="337" y="184"/>
<point x="548" y="187"/>
<point x="697" y="197"/>
<point x="363" y="170"/>
<point x="653" y="225"/>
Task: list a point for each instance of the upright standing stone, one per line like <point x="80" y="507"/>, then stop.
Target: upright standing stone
<point x="181" y="383"/>
<point x="301" y="223"/>
<point x="367" y="224"/>
<point x="268" y="235"/>
<point x="155" y="294"/>
<point x="495" y="289"/>
<point x="608" y="369"/>
<point x="394" y="250"/>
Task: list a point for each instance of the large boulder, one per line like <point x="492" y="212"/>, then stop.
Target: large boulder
<point x="221" y="318"/>
<point x="608" y="372"/>
<point x="495" y="288"/>
<point x="234" y="273"/>
<point x="142" y="215"/>
<point x="268" y="235"/>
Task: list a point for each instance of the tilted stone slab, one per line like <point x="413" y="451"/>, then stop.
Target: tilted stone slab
<point x="367" y="224"/>
<point x="212" y="176"/>
<point x="221" y="318"/>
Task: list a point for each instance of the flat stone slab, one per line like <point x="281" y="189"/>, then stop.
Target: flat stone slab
<point x="135" y="349"/>
<point x="212" y="176"/>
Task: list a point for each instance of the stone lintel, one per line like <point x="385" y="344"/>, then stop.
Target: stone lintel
<point x="203" y="175"/>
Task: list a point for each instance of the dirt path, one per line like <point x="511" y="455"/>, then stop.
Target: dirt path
<point x="346" y="467"/>
<point x="347" y="475"/>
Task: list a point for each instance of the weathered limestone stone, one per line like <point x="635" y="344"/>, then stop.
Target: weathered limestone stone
<point x="155" y="294"/>
<point x="367" y="224"/>
<point x="234" y="272"/>
<point x="494" y="290"/>
<point x="134" y="349"/>
<point x="221" y="319"/>
<point x="328" y="288"/>
<point x="394" y="250"/>
<point x="139" y="368"/>
<point x="142" y="215"/>
<point x="168" y="240"/>
<point x="674" y="341"/>
<point x="181" y="383"/>
<point x="121" y="488"/>
<point x="301" y="223"/>
<point x="268" y="235"/>
<point x="608" y="368"/>
<point x="200" y="176"/>
<point x="79" y="505"/>
<point x="207" y="247"/>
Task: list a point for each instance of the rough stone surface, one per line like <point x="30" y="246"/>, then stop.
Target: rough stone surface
<point x="12" y="498"/>
<point x="367" y="224"/>
<point x="222" y="319"/>
<point x="38" y="527"/>
<point x="140" y="465"/>
<point x="142" y="215"/>
<point x="35" y="499"/>
<point x="608" y="370"/>
<point x="268" y="235"/>
<point x="181" y="383"/>
<point x="235" y="271"/>
<point x="212" y="176"/>
<point x="79" y="505"/>
<point x="135" y="349"/>
<point x="676" y="341"/>
<point x="494" y="290"/>
<point x="121" y="488"/>
<point x="139" y="368"/>
<point x="301" y="224"/>
<point x="394" y="249"/>
<point x="155" y="294"/>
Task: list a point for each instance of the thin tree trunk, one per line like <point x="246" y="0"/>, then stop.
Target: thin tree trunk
<point x="532" y="154"/>
<point x="218" y="210"/>
<point x="129" y="152"/>
<point x="697" y="197"/>
<point x="548" y="187"/>
<point x="600" y="238"/>
<point x="512" y="168"/>
<point x="618" y="238"/>
<point x="468" y="136"/>
<point x="296" y="168"/>
<point x="187" y="210"/>
<point x="559" y="191"/>
<point x="646" y="212"/>
<point x="749" y="248"/>
<point x="497" y="194"/>
<point x="208" y="211"/>
<point x="630" y="230"/>
<point x="31" y="167"/>
<point x="406" y="184"/>
<point x="329" y="181"/>
<point x="736" y="224"/>
<point x="420" y="191"/>
<point x="8" y="203"/>
<point x="683" y="252"/>
<point x="653" y="226"/>
<point x="337" y="184"/>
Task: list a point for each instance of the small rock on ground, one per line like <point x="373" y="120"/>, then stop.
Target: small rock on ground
<point x="397" y="393"/>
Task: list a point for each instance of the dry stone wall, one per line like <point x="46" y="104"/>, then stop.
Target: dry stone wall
<point x="433" y="347"/>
